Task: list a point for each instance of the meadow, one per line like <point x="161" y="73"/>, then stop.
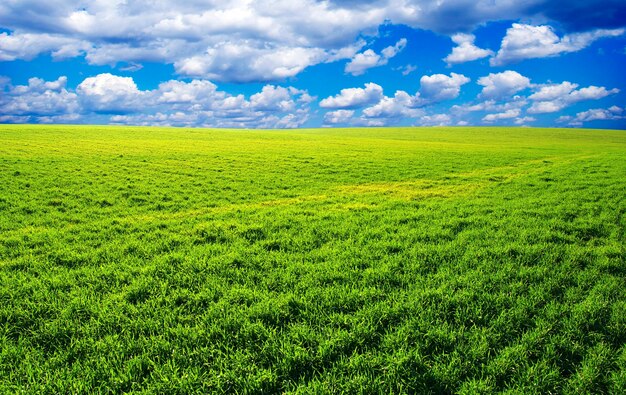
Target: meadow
<point x="387" y="260"/>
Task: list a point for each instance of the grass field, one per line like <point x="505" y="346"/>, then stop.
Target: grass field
<point x="404" y="260"/>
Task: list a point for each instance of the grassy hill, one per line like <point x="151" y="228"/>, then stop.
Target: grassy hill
<point x="395" y="260"/>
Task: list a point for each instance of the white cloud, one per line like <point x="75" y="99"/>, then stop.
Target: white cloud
<point x="28" y="45"/>
<point x="246" y="63"/>
<point x="439" y="87"/>
<point x="173" y="103"/>
<point x="196" y="91"/>
<point x="338" y="117"/>
<point x="501" y="85"/>
<point x="368" y="59"/>
<point x="132" y="67"/>
<point x="363" y="61"/>
<point x="555" y="97"/>
<point x="289" y="121"/>
<point x="222" y="110"/>
<point x="563" y="118"/>
<point x="393" y="50"/>
<point x="107" y="84"/>
<point x="435" y="120"/>
<point x="408" y="69"/>
<point x="237" y="41"/>
<point x="465" y="51"/>
<point x="527" y="41"/>
<point x="15" y="118"/>
<point x="29" y="103"/>
<point x="544" y="107"/>
<point x="591" y="93"/>
<point x="401" y="105"/>
<point x="178" y="118"/>
<point x="273" y="98"/>
<point x="597" y="114"/>
<point x="107" y="93"/>
<point x="384" y="110"/>
<point x="354" y="97"/>
<point x="553" y="91"/>
<point x="508" y="114"/>
<point x="510" y="108"/>
<point x="243" y="40"/>
<point x="524" y="120"/>
<point x="490" y="106"/>
<point x="315" y="23"/>
<point x="112" y="54"/>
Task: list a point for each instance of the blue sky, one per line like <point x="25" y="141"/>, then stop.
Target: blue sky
<point x="286" y="64"/>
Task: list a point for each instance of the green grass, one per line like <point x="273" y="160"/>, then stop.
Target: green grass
<point x="404" y="260"/>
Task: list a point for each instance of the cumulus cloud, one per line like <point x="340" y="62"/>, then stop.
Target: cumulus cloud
<point x="196" y="91"/>
<point x="434" y="120"/>
<point x="393" y="50"/>
<point x="363" y="61"/>
<point x="516" y="102"/>
<point x="109" y="94"/>
<point x="384" y="110"/>
<point x="177" y="118"/>
<point x="555" y="97"/>
<point x="354" y="97"/>
<point x="591" y="93"/>
<point x="433" y="89"/>
<point x="273" y="98"/>
<point x="28" y="45"/>
<point x="493" y="111"/>
<point x="338" y="117"/>
<point x="501" y="85"/>
<point x="316" y="23"/>
<point x="596" y="114"/>
<point x="553" y="91"/>
<point x="38" y="99"/>
<point x="524" y="120"/>
<point x="265" y="40"/>
<point x="237" y="41"/>
<point x="112" y="54"/>
<point x="508" y="114"/>
<point x="173" y="103"/>
<point x="368" y="59"/>
<point x="465" y="51"/>
<point x="439" y="87"/>
<point x="401" y="105"/>
<point x="273" y="41"/>
<point x="528" y="41"/>
<point x="246" y="63"/>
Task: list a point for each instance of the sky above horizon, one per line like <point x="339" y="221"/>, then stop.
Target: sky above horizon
<point x="288" y="64"/>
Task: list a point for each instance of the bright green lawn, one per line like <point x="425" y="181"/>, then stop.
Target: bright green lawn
<point x="404" y="260"/>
